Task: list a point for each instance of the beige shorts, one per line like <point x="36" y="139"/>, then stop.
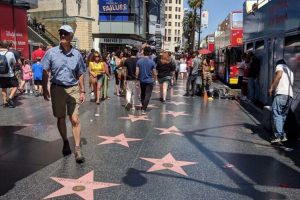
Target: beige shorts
<point x="65" y="99"/>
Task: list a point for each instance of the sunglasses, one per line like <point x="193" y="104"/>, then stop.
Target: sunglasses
<point x="96" y="56"/>
<point x="63" y="33"/>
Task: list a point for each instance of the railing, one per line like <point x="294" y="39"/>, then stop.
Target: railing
<point x="49" y="37"/>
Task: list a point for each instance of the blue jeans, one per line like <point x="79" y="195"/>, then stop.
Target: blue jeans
<point x="280" y="109"/>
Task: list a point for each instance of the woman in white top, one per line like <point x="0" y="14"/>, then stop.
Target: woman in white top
<point x="182" y="67"/>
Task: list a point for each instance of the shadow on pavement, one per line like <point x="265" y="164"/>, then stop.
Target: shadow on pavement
<point x="243" y="191"/>
<point x="263" y="170"/>
<point x="293" y="143"/>
<point x="21" y="156"/>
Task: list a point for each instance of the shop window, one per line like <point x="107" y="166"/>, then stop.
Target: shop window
<point x="260" y="45"/>
<point x="249" y="46"/>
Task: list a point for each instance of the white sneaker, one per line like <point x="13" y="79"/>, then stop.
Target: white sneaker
<point x="275" y="140"/>
<point x="284" y="139"/>
<point x="31" y="92"/>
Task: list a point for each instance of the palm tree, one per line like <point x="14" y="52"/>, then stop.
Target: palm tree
<point x="189" y="27"/>
<point x="194" y="5"/>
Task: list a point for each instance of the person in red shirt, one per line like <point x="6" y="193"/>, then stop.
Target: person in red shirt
<point x="38" y="53"/>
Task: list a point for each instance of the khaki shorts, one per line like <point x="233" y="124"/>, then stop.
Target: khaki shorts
<point x="65" y="99"/>
<point x="207" y="79"/>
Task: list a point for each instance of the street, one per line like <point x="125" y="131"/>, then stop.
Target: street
<point x="187" y="148"/>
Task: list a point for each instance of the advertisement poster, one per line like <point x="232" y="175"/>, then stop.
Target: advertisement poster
<point x="13" y="27"/>
<point x="113" y="10"/>
<point x="204" y="19"/>
<point x="237" y="37"/>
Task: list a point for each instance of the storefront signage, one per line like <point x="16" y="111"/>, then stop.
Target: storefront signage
<point x="115" y="6"/>
<point x="119" y="41"/>
<point x="13" y="27"/>
<point x="113" y="10"/>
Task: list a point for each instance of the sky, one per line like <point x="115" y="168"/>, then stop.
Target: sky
<point x="218" y="11"/>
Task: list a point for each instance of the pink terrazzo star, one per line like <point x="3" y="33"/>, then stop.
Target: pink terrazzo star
<point x="171" y="130"/>
<point x="136" y="118"/>
<point x="177" y="103"/>
<point x="175" y="114"/>
<point x="83" y="186"/>
<point x="119" y="139"/>
<point x="168" y="162"/>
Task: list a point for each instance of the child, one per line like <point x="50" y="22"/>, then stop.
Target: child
<point x="37" y="70"/>
<point x="27" y="76"/>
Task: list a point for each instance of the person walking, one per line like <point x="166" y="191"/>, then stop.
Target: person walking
<point x="164" y="68"/>
<point x="242" y="67"/>
<point x="98" y="68"/>
<point x="27" y="76"/>
<point x="145" y="71"/>
<point x="282" y="84"/>
<point x="38" y="53"/>
<point x="193" y="74"/>
<point x="67" y="69"/>
<point x="130" y="78"/>
<point x="253" y="79"/>
<point x="8" y="79"/>
<point x="37" y="70"/>
<point x="207" y="78"/>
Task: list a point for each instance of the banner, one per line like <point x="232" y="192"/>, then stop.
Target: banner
<point x="204" y="19"/>
<point x="13" y="27"/>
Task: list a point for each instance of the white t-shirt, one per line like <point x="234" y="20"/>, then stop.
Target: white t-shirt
<point x="285" y="85"/>
<point x="11" y="61"/>
<point x="242" y="67"/>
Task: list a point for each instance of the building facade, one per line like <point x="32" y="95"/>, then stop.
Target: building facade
<point x="54" y="13"/>
<point x="122" y="23"/>
<point x="155" y="23"/>
<point x="174" y="13"/>
<point x="105" y="25"/>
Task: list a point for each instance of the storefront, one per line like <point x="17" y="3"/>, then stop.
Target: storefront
<point x="121" y="24"/>
<point x="13" y="23"/>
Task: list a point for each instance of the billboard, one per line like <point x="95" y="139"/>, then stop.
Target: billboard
<point x="13" y="27"/>
<point x="113" y="10"/>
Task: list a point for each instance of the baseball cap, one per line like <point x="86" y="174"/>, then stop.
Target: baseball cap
<point x="66" y="28"/>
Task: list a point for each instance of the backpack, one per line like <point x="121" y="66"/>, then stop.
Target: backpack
<point x="4" y="67"/>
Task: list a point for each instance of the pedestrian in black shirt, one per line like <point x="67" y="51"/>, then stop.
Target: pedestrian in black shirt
<point x="130" y="78"/>
<point x="164" y="68"/>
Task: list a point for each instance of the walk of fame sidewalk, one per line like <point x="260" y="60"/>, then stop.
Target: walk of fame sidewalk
<point x="187" y="148"/>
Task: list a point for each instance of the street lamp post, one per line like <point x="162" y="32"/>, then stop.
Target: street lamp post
<point x="199" y="35"/>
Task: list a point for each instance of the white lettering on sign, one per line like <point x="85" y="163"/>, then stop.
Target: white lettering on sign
<point x="12" y="34"/>
<point x="116" y="7"/>
<point x="21" y="43"/>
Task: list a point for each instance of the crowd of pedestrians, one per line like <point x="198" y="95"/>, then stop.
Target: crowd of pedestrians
<point x="135" y="72"/>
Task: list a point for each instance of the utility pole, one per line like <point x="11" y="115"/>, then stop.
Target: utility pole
<point x="199" y="35"/>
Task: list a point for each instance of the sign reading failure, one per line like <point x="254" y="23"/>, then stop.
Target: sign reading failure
<point x="116" y="6"/>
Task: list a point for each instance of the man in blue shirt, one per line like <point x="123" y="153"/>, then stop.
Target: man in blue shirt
<point x="67" y="87"/>
<point x="145" y="71"/>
